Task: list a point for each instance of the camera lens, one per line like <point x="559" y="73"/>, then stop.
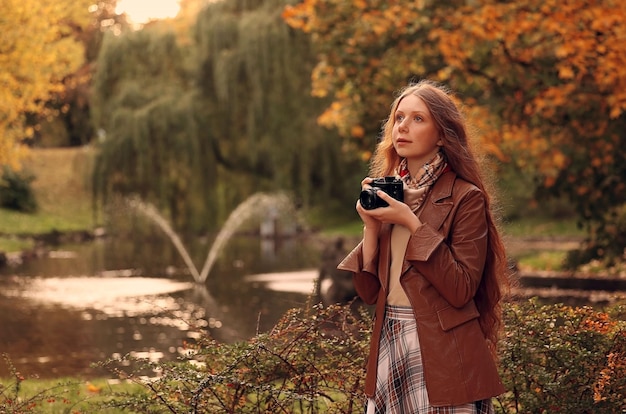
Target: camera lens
<point x="368" y="198"/>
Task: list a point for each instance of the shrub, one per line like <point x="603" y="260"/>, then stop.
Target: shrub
<point x="14" y="401"/>
<point x="311" y="362"/>
<point x="553" y="359"/>
<point x="559" y="359"/>
<point x="606" y="242"/>
<point x="16" y="192"/>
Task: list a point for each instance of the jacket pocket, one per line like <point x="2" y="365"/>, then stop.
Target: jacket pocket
<point x="451" y="317"/>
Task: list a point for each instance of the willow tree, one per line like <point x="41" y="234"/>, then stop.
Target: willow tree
<point x="150" y="140"/>
<point x="254" y="70"/>
<point x="196" y="142"/>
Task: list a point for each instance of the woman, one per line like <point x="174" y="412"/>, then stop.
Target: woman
<point x="434" y="265"/>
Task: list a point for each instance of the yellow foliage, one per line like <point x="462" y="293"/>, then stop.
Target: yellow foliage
<point x="566" y="72"/>
<point x="300" y="16"/>
<point x="36" y="53"/>
<point x="484" y="131"/>
<point x="357" y="131"/>
<point x="559" y="159"/>
<point x="545" y="67"/>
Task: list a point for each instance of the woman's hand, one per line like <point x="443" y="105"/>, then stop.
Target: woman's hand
<point x="396" y="213"/>
<point x="369" y="221"/>
<point x="372" y="227"/>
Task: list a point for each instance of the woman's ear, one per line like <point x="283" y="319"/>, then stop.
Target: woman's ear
<point x="440" y="142"/>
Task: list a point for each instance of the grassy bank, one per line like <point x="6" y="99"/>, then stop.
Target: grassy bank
<point x="63" y="191"/>
<point x="62" y="188"/>
<point x="63" y="395"/>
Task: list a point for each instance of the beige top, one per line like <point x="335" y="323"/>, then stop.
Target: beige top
<point x="399" y="239"/>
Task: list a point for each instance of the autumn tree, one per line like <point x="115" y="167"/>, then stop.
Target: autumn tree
<point x="555" y="76"/>
<point x="365" y="50"/>
<point x="543" y="83"/>
<point x="37" y="51"/>
<point x="68" y="110"/>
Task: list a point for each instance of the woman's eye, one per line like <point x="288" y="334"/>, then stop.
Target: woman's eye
<point x="418" y="118"/>
<point x="399" y="118"/>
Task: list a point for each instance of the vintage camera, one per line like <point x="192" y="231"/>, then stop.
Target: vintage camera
<point x="390" y="185"/>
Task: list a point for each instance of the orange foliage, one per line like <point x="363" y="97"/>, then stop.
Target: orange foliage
<point x="554" y="73"/>
<point x="356" y="66"/>
<point x="583" y="41"/>
<point x="543" y="81"/>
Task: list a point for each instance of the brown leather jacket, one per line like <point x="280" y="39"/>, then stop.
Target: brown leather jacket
<point x="442" y="268"/>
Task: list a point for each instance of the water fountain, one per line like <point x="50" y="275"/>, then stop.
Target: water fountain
<point x="256" y="205"/>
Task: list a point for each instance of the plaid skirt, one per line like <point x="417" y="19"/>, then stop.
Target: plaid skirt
<point x="400" y="386"/>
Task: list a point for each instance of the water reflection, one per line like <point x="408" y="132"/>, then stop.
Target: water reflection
<point x="89" y="302"/>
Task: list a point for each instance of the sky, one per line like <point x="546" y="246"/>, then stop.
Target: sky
<point x="141" y="11"/>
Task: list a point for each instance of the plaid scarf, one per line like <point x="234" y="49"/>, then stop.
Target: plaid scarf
<point x="432" y="170"/>
<point x="415" y="189"/>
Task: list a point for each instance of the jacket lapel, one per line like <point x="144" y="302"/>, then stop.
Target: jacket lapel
<point x="438" y="202"/>
<point x="437" y="205"/>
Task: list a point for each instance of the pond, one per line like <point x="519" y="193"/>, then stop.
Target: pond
<point x="85" y="303"/>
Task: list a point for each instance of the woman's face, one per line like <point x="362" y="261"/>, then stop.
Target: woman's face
<point x="415" y="136"/>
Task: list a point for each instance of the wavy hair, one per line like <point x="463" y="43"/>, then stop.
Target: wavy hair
<point x="453" y="133"/>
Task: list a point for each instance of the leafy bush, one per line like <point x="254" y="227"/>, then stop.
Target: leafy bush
<point x="16" y="192"/>
<point x="559" y="359"/>
<point x="554" y="359"/>
<point x="606" y="242"/>
<point x="14" y="401"/>
<point x="311" y="362"/>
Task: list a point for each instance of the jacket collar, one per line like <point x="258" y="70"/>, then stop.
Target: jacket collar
<point x="438" y="203"/>
<point x="443" y="186"/>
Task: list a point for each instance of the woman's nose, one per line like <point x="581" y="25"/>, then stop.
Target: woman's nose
<point x="403" y="126"/>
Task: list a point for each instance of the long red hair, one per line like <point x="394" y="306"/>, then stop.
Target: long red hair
<point x="453" y="133"/>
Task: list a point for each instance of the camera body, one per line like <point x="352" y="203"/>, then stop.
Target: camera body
<point x="390" y="185"/>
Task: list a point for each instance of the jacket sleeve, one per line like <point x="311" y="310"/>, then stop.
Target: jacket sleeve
<point x="364" y="277"/>
<point x="455" y="266"/>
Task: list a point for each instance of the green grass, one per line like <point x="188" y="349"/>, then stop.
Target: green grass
<point x="526" y="254"/>
<point x="12" y="244"/>
<point x="529" y="255"/>
<point x="62" y="396"/>
<point x="351" y="229"/>
<point x="541" y="226"/>
<point x="70" y="395"/>
<point x="542" y="260"/>
<point x="72" y="218"/>
<point x="62" y="191"/>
